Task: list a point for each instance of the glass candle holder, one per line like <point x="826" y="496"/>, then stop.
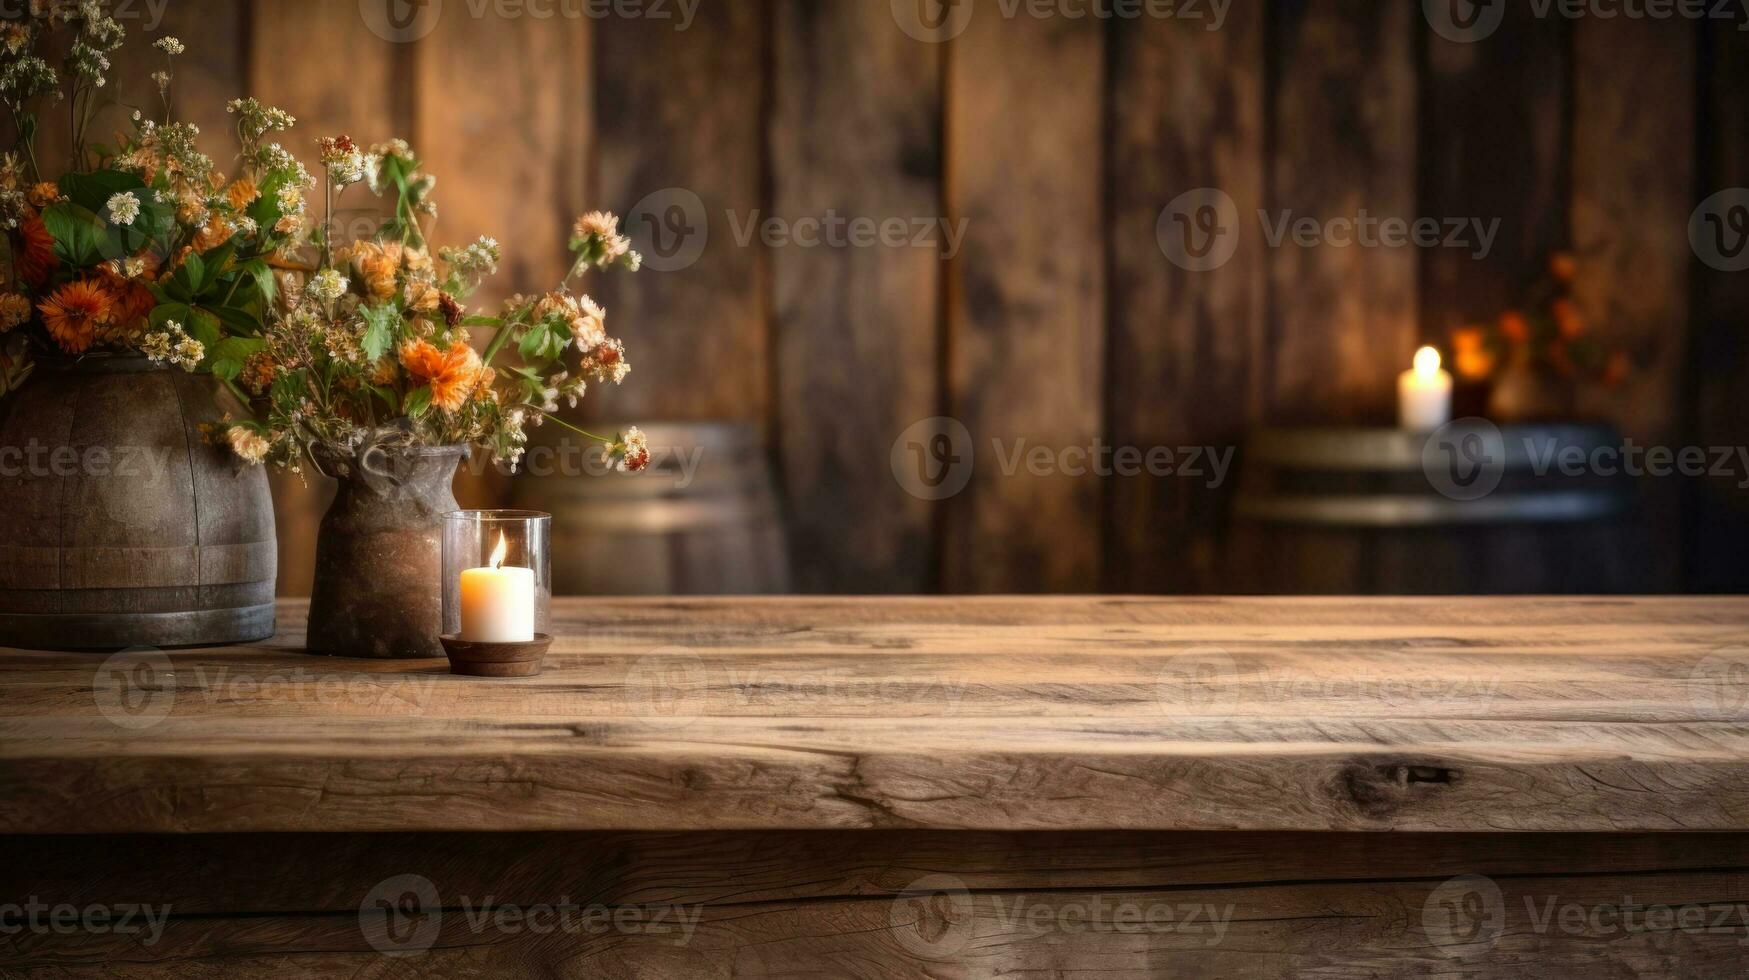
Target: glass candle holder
<point x="497" y="577"/>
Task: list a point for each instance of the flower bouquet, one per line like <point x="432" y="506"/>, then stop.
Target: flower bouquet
<point x="124" y="263"/>
<point x="376" y="346"/>
<point x="1532" y="358"/>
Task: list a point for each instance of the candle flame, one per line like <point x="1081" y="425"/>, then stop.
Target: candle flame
<point x="1427" y="362"/>
<point x="498" y="552"/>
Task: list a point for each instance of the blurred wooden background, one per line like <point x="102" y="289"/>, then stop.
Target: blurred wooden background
<point x="1059" y="141"/>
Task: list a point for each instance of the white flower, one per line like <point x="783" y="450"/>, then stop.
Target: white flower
<point x="169" y="45"/>
<point x="123" y="208"/>
<point x="170" y="344"/>
<point x="327" y="286"/>
<point x="249" y="445"/>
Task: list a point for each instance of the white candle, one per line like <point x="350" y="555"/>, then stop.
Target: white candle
<point x="498" y="602"/>
<point x="1424" y="394"/>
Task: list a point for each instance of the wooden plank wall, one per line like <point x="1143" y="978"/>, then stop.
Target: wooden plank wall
<point x="1057" y="321"/>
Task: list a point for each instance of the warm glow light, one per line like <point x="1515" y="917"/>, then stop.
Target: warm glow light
<point x="498" y="552"/>
<point x="1427" y="362"/>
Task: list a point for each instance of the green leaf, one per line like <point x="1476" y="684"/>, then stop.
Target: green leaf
<point x="236" y="320"/>
<point x="379" y="331"/>
<point x="81" y="237"/>
<point x="266" y="210"/>
<point x="165" y="312"/>
<point x="418" y="401"/>
<point x="213" y="264"/>
<point x="265" y="285"/>
<point x="386" y="394"/>
<point x="92" y="190"/>
<point x="204" y="327"/>
<point x="191" y="274"/>
<point x="230" y="353"/>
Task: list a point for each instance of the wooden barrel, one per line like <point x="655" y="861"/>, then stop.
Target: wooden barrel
<point x="125" y="527"/>
<point x="1371" y="511"/>
<point x="701" y="520"/>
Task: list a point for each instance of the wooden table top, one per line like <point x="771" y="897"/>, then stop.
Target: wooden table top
<point x="1588" y="714"/>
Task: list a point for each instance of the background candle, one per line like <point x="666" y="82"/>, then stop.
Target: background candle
<point x="1424" y="394"/>
<point x="497" y="603"/>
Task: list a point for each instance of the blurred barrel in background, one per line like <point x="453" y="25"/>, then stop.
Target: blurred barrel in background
<point x="703" y="519"/>
<point x="1361" y="511"/>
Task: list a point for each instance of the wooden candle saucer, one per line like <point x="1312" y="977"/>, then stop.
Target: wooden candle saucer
<point x="496" y="659"/>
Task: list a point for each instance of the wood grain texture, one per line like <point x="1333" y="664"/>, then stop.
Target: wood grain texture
<point x="1494" y="148"/>
<point x="681" y="110"/>
<point x="997" y="714"/>
<point x="847" y="904"/>
<point x="533" y="121"/>
<point x="1026" y="308"/>
<point x="536" y="114"/>
<point x="1633" y="180"/>
<point x="1344" y="153"/>
<point x="1187" y="352"/>
<point x="856" y="132"/>
<point x="369" y="100"/>
<point x="1633" y="184"/>
<point x="1718" y="524"/>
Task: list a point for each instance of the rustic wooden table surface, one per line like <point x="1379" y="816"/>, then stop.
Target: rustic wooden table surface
<point x="909" y="788"/>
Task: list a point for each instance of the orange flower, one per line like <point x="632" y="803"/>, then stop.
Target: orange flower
<point x="133" y="303"/>
<point x="1471" y="354"/>
<point x="217" y="232"/>
<point x="1567" y="318"/>
<point x="452" y="373"/>
<point x="44" y="194"/>
<point x="74" y="313"/>
<point x="1563" y="267"/>
<point x="35" y="260"/>
<point x="376" y="264"/>
<point x="1515" y="326"/>
<point x="243" y="193"/>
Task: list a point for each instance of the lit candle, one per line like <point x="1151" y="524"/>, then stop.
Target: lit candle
<point x="1424" y="394"/>
<point x="498" y="602"/>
